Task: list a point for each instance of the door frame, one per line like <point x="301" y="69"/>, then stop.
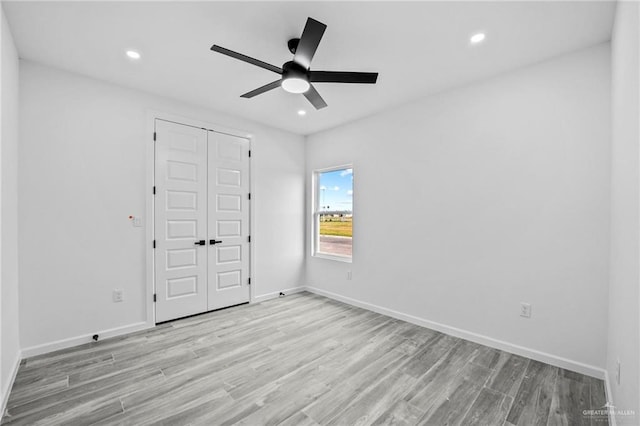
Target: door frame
<point x="149" y="216"/>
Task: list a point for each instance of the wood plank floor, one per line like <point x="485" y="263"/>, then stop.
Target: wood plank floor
<point x="298" y="360"/>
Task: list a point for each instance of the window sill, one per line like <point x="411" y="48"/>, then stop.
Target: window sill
<point x="345" y="259"/>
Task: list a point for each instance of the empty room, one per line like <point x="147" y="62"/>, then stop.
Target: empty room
<point x="320" y="213"/>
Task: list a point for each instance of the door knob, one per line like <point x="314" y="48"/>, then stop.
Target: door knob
<point x="200" y="243"/>
<point x="212" y="242"/>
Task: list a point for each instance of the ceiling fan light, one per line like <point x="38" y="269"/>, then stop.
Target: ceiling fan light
<point x="295" y="85"/>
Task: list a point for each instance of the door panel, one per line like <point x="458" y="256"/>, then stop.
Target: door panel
<point x="180" y="220"/>
<point x="229" y="228"/>
<point x="228" y="281"/>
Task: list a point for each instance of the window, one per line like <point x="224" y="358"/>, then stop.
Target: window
<point x="333" y="213"/>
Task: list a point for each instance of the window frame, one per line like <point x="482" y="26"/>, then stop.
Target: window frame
<point x="315" y="216"/>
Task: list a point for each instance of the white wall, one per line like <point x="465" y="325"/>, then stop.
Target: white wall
<point x="9" y="343"/>
<point x="82" y="172"/>
<point x="470" y="202"/>
<point x="624" y="295"/>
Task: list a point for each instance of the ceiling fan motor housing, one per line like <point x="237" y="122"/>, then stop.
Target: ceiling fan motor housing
<point x="294" y="70"/>
<point x="295" y="78"/>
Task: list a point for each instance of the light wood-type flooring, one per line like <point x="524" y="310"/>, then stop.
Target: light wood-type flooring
<point x="298" y="360"/>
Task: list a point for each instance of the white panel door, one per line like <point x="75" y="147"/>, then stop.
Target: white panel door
<point x="228" y="282"/>
<point x="180" y="220"/>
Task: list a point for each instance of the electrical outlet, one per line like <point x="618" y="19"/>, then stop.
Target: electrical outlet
<point x="349" y="275"/>
<point x="525" y="310"/>
<point x="118" y="295"/>
<point x="618" y="371"/>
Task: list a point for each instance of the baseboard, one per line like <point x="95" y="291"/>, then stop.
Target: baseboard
<point x="273" y="295"/>
<point x="554" y="360"/>
<point x="118" y="331"/>
<point x="85" y="338"/>
<point x="609" y="397"/>
<point x="6" y="392"/>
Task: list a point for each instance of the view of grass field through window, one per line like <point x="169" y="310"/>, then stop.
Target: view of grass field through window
<point x="335" y="212"/>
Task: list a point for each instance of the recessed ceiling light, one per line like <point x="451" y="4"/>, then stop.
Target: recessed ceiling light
<point x="477" y="38"/>
<point x="302" y="112"/>
<point x="132" y="54"/>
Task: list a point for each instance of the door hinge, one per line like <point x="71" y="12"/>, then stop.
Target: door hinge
<point x="154" y="190"/>
<point x="249" y="153"/>
<point x="154" y="243"/>
<point x="154" y="136"/>
<point x="249" y="238"/>
<point x="249" y="195"/>
<point x="154" y="297"/>
<point x="249" y="281"/>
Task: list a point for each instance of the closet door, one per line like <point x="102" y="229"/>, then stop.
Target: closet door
<point x="180" y="220"/>
<point x="228" y="258"/>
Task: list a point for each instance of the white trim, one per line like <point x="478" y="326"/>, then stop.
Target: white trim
<point x="334" y="168"/>
<point x="179" y="119"/>
<point x="82" y="339"/>
<point x="6" y="392"/>
<point x="554" y="360"/>
<point x="150" y="219"/>
<point x="337" y="258"/>
<point x="609" y="397"/>
<point x="252" y="221"/>
<point x="275" y="294"/>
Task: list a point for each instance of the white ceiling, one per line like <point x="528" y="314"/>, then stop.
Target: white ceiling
<point x="418" y="48"/>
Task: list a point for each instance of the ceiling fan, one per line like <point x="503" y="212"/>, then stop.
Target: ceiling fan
<point x="296" y="75"/>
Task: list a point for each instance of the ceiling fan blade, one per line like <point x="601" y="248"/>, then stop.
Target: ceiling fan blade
<point x="309" y="41"/>
<point x="261" y="90"/>
<point x="314" y="97"/>
<point x="247" y="59"/>
<point x="343" y="77"/>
